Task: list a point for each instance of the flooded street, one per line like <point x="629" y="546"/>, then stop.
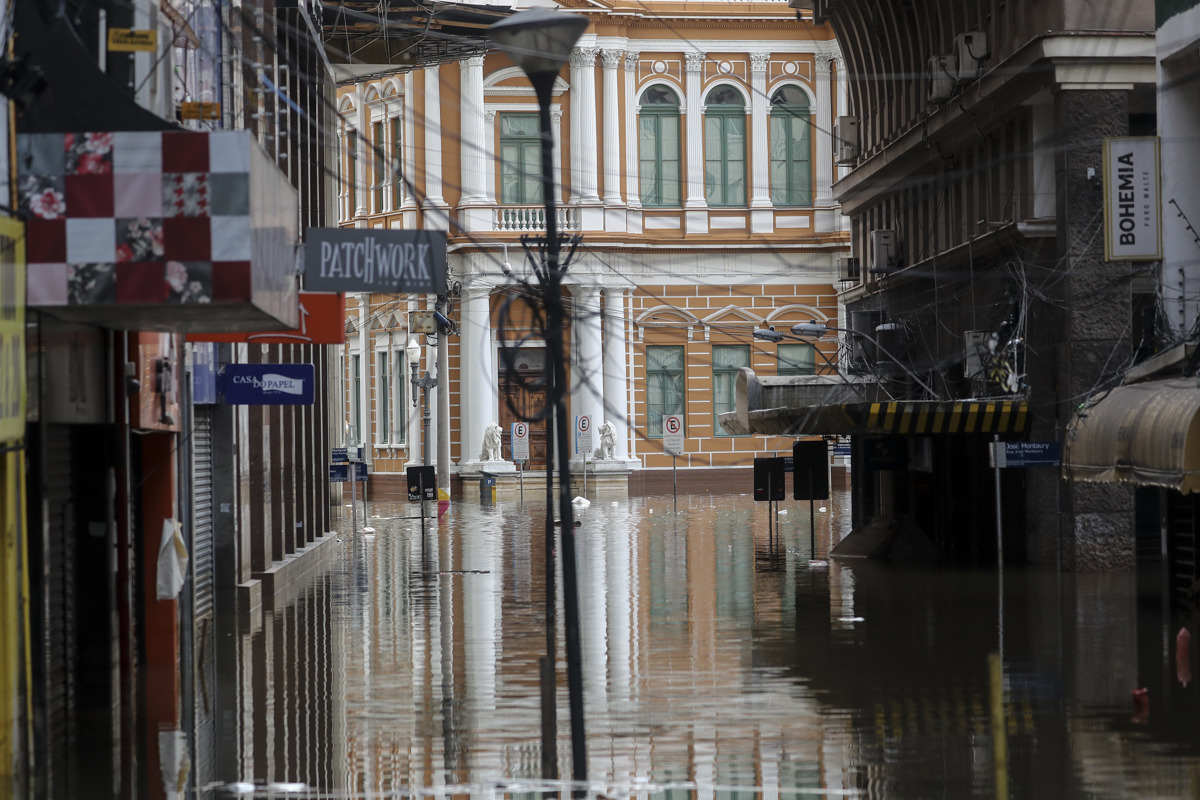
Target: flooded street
<point x="718" y="663"/>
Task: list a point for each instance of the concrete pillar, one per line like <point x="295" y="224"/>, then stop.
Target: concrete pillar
<point x="589" y="384"/>
<point x="584" y="137"/>
<point x="362" y="151"/>
<point x="843" y="109"/>
<point x="1042" y="131"/>
<point x="473" y="153"/>
<point x="695" y="205"/>
<point x="616" y="370"/>
<point x="433" y="145"/>
<point x="611" y="60"/>
<point x="762" y="218"/>
<point x="826" y="219"/>
<point x="477" y="374"/>
<point x="633" y="191"/>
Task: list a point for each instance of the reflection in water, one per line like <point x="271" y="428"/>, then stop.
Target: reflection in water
<point x="719" y="665"/>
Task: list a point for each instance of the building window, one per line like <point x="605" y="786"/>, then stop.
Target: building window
<point x="797" y="359"/>
<point x="520" y="159"/>
<point x="383" y="402"/>
<point x="658" y="147"/>
<point x="791" y="165"/>
<point x="664" y="386"/>
<point x="397" y="165"/>
<point x="352" y="170"/>
<point x="355" y="399"/>
<point x="377" y="158"/>
<point x="727" y="359"/>
<point x="725" y="147"/>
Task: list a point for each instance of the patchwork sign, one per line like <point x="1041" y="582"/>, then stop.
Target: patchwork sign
<point x="375" y="260"/>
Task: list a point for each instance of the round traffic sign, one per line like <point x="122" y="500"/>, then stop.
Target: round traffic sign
<point x="672" y="424"/>
<point x="584" y="423"/>
<point x="520" y="430"/>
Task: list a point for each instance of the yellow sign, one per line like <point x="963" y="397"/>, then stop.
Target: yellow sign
<point x="191" y="110"/>
<point x="12" y="330"/>
<point x="132" y="40"/>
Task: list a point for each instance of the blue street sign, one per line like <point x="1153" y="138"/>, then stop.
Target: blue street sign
<point x="1032" y="454"/>
<point x="339" y="456"/>
<point x="268" y="384"/>
<point x="340" y="473"/>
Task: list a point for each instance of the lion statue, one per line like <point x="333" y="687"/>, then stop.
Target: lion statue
<point x="491" y="443"/>
<point x="608" y="440"/>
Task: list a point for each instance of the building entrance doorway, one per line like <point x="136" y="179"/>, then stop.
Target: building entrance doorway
<point x="527" y="390"/>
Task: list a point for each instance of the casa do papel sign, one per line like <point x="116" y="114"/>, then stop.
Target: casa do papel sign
<point x="1132" y="206"/>
<point x="375" y="260"/>
<point x="268" y="384"/>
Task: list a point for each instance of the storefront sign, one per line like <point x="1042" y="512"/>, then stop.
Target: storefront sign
<point x="268" y="384"/>
<point x="132" y="40"/>
<point x="322" y="321"/>
<point x="1132" y="225"/>
<point x="12" y="330"/>
<point x="375" y="260"/>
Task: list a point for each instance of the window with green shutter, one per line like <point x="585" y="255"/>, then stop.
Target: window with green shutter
<point x="725" y="147"/>
<point x="791" y="164"/>
<point x="520" y="159"/>
<point x="658" y="147"/>
<point x="664" y="386"/>
<point x="727" y="359"/>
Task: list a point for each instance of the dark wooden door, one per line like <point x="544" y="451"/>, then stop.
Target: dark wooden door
<point x="529" y="400"/>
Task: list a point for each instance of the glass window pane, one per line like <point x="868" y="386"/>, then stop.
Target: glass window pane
<point x="659" y="95"/>
<point x="726" y="360"/>
<point x="789" y="96"/>
<point x="797" y="359"/>
<point x="725" y="95"/>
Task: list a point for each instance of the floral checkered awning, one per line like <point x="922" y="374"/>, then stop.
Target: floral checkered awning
<point x="175" y="231"/>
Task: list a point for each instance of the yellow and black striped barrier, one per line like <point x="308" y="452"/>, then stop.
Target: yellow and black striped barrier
<point x="1001" y="416"/>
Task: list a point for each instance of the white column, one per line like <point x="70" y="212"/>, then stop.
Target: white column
<point x="843" y="109"/>
<point x="433" y="146"/>
<point x="697" y="208"/>
<point x="489" y="135"/>
<point x="762" y="218"/>
<point x="616" y="384"/>
<point x="476" y="375"/>
<point x="583" y="126"/>
<point x="611" y="59"/>
<point x="556" y="134"/>
<point x="410" y="145"/>
<point x="362" y="152"/>
<point x="473" y="150"/>
<point x="826" y="220"/>
<point x="633" y="191"/>
<point x="589" y="392"/>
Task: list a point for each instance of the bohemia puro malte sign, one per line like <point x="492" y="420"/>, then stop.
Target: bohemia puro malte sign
<point x="1132" y="206"/>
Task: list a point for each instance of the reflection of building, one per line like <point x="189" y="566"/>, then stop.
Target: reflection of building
<point x="142" y="229"/>
<point x="973" y="139"/>
<point x="697" y="173"/>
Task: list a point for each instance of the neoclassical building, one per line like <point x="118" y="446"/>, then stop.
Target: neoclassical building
<point x="694" y="155"/>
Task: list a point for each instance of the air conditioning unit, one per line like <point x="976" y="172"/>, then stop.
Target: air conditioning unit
<point x="972" y="350"/>
<point x="849" y="270"/>
<point x="845" y="139"/>
<point x="939" y="78"/>
<point x="970" y="51"/>
<point x="885" y="251"/>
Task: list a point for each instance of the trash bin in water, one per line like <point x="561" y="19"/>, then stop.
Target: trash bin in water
<point x="487" y="488"/>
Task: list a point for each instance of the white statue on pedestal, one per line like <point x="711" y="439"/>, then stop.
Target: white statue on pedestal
<point x="491" y="443"/>
<point x="608" y="441"/>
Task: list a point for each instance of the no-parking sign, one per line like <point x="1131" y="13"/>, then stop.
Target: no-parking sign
<point x="520" y="441"/>
<point x="583" y="434"/>
<point x="672" y="427"/>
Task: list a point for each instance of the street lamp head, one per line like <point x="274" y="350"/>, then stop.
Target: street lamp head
<point x="811" y="329"/>
<point x="768" y="334"/>
<point x="538" y="40"/>
<point x="413" y="350"/>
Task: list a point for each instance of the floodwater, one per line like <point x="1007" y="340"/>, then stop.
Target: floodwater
<point x="719" y="663"/>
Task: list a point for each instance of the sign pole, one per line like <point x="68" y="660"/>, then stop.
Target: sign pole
<point x="996" y="451"/>
<point x="353" y="498"/>
<point x="812" y="519"/>
<point x="675" y="483"/>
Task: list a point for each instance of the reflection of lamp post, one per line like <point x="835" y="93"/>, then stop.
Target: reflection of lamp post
<point x="539" y="41"/>
<point x="815" y="330"/>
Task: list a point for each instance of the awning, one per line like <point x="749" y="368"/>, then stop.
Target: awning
<point x="1146" y="434"/>
<point x="915" y="418"/>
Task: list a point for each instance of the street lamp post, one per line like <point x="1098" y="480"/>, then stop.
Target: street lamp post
<point x="815" y="330"/>
<point x="539" y="41"/>
<point x="413" y="351"/>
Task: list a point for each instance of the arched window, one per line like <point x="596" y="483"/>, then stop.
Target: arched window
<point x="791" y="165"/>
<point x="725" y="147"/>
<point x="658" y="147"/>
